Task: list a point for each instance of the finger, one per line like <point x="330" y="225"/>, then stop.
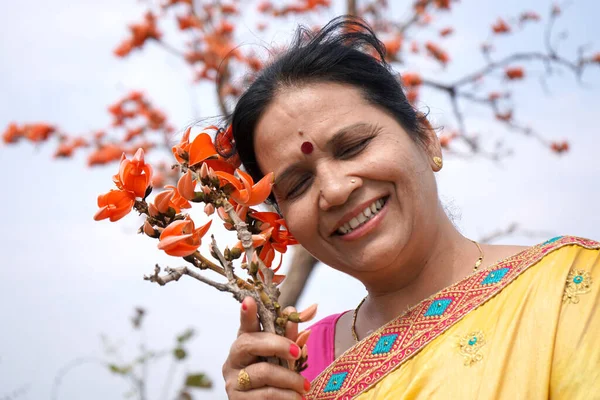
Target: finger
<point x="268" y="393"/>
<point x="249" y="346"/>
<point x="248" y="317"/>
<point x="264" y="374"/>
<point x="291" y="328"/>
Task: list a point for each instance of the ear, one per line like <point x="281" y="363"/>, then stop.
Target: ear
<point x="431" y="143"/>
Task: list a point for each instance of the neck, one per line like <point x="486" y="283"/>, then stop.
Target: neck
<point x="436" y="262"/>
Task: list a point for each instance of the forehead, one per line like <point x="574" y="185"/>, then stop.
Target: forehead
<point x="317" y="110"/>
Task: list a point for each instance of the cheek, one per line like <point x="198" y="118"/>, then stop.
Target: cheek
<point x="301" y="221"/>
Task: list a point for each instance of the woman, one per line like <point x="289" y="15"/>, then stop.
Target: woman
<point x="445" y="317"/>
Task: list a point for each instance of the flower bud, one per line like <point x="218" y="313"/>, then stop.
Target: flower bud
<point x="209" y="209"/>
<point x="236" y="253"/>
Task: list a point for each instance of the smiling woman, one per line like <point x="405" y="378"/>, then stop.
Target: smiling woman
<point x="354" y="166"/>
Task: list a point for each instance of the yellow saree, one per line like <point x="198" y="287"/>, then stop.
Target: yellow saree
<point x="527" y="327"/>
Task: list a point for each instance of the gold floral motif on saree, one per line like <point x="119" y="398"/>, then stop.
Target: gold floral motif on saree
<point x="373" y="358"/>
<point x="578" y="282"/>
<point x="469" y="346"/>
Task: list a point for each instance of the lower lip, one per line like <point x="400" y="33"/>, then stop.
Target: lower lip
<point x="367" y="226"/>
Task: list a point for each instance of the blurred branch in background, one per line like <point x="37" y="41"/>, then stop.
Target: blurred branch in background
<point x="135" y="371"/>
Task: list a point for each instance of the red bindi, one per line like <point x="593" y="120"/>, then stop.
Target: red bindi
<point x="306" y="147"/>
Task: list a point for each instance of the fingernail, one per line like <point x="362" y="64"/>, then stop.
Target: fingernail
<point x="306" y="385"/>
<point x="294" y="350"/>
<point x="244" y="306"/>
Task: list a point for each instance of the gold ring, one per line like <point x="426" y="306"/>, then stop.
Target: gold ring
<point x="244" y="380"/>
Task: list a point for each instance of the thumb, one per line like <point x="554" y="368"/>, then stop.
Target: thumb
<point x="248" y="317"/>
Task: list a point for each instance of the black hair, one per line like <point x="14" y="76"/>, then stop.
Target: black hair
<point x="345" y="51"/>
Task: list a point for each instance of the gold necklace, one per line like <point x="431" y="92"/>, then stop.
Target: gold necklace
<point x="355" y="336"/>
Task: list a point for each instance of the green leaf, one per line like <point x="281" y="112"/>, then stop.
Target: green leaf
<point x="179" y="353"/>
<point x="198" y="381"/>
<point x="185" y="336"/>
<point x="115" y="369"/>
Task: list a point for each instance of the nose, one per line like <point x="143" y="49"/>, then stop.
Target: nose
<point x="336" y="187"/>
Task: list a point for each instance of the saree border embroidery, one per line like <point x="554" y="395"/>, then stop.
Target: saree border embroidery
<point x="373" y="358"/>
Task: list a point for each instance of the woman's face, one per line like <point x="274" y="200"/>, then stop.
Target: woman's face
<point x="364" y="193"/>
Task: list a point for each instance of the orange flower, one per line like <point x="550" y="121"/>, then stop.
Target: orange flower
<point x="247" y="193"/>
<point x="393" y="46"/>
<point x="501" y="27"/>
<point x="507" y="116"/>
<point x="513" y="73"/>
<point x="560" y="147"/>
<point x="188" y="21"/>
<point x="12" y="134"/>
<point x="529" y="16"/>
<point x="134" y="175"/>
<point x="201" y="149"/>
<point x="225" y="144"/>
<point x="186" y="186"/>
<point x="170" y="198"/>
<point x="105" y="154"/>
<point x="180" y="150"/>
<point x="181" y="238"/>
<point x="437" y="53"/>
<point x="411" y="79"/>
<point x="446" y="32"/>
<point x="114" y="205"/>
<point x="280" y="236"/>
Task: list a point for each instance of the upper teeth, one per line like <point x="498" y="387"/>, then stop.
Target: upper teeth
<point x="361" y="218"/>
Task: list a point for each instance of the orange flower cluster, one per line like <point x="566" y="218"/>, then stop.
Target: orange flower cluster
<point x="304" y="6"/>
<point x="68" y="146"/>
<point x="437" y="53"/>
<point x="33" y="132"/>
<point x="132" y="181"/>
<point x="500" y="26"/>
<point x="134" y="106"/>
<point x="140" y="33"/>
<point x="203" y="150"/>
<point x="514" y="73"/>
<point x="559" y="147"/>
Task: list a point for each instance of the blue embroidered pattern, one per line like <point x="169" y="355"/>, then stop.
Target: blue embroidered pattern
<point x="495" y="276"/>
<point x="384" y="344"/>
<point x="335" y="382"/>
<point x="437" y="308"/>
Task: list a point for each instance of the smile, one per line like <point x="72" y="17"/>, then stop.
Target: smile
<point x="368" y="213"/>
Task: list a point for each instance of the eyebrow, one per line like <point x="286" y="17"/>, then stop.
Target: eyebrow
<point x="336" y="139"/>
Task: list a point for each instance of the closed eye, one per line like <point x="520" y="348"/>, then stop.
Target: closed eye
<point x="353" y="150"/>
<point x="299" y="188"/>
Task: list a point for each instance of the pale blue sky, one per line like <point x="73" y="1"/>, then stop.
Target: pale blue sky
<point x="66" y="279"/>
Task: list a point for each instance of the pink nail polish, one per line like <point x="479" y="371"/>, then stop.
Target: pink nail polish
<point x="244" y="306"/>
<point x="294" y="350"/>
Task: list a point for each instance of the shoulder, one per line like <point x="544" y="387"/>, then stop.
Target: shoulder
<point x="561" y="260"/>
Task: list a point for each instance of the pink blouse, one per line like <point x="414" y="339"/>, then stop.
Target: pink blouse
<point x="321" y="346"/>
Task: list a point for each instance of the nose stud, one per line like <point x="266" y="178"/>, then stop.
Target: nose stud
<point x="352" y="180"/>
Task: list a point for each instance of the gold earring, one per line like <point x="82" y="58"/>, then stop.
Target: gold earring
<point x="438" y="162"/>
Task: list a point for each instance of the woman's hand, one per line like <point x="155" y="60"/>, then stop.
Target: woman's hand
<point x="248" y="378"/>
